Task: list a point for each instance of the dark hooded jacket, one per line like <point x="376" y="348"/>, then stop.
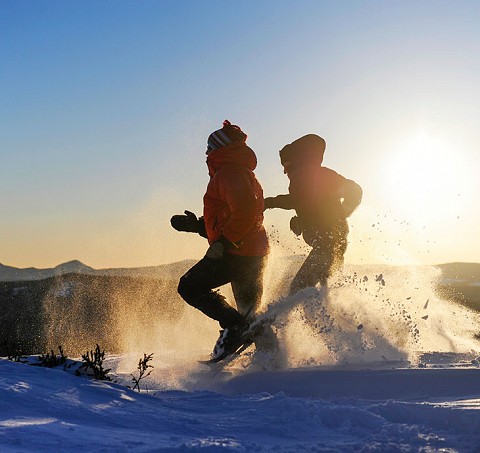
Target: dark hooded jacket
<point x="316" y="194"/>
<point x="322" y="199"/>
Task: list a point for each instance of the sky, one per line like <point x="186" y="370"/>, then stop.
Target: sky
<point x="105" y="109"/>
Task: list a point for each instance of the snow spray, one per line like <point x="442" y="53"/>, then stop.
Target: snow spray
<point x="368" y="314"/>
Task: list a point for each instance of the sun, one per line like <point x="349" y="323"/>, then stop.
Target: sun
<point x="424" y="179"/>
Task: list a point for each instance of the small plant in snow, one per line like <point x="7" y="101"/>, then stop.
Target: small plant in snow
<point x="52" y="360"/>
<point x="14" y="353"/>
<point x="93" y="360"/>
<point x="143" y="370"/>
<point x="17" y="357"/>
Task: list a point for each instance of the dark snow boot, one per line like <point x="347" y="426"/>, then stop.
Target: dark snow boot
<point x="230" y="339"/>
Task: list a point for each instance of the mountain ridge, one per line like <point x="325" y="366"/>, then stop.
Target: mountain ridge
<point x="162" y="271"/>
<point x="463" y="271"/>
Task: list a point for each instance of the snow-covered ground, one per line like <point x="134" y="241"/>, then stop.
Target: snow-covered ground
<point x="380" y="363"/>
<point x="314" y="409"/>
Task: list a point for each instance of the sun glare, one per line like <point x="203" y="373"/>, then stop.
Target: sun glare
<point x="425" y="180"/>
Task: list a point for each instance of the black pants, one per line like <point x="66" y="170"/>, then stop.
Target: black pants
<point x="245" y="273"/>
<point x="326" y="257"/>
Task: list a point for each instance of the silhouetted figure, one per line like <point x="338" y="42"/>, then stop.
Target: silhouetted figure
<point x="232" y="221"/>
<point x="322" y="199"/>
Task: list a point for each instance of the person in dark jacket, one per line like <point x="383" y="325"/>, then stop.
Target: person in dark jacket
<point x="232" y="221"/>
<point x="323" y="200"/>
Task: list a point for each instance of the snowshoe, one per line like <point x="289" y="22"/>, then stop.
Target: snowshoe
<point x="235" y="340"/>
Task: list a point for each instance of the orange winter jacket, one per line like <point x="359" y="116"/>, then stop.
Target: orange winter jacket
<point x="233" y="203"/>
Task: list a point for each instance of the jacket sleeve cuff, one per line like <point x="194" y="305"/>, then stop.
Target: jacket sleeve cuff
<point x="202" y="231"/>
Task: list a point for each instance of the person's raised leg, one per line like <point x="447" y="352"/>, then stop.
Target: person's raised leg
<point x="196" y="288"/>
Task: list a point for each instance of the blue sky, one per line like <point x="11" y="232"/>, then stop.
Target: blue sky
<point x="105" y="108"/>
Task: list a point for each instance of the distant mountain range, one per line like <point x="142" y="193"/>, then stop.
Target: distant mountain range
<point x="164" y="272"/>
<point x="76" y="306"/>
<point x="468" y="273"/>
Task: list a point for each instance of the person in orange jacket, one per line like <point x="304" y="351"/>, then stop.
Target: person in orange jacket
<point x="323" y="200"/>
<point x="232" y="221"/>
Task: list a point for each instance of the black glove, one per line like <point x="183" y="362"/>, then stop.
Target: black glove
<point x="187" y="222"/>
<point x="268" y="203"/>
<point x="296" y="225"/>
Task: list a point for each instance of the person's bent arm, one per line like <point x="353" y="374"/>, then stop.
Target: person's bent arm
<point x="237" y="192"/>
<point x="352" y="194"/>
<point x="280" y="201"/>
